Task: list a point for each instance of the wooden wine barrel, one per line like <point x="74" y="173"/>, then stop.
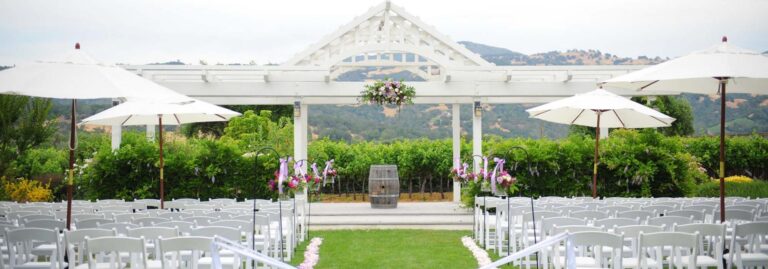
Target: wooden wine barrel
<point x="383" y="186"/>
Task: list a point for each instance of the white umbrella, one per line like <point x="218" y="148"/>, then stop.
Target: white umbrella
<point x="600" y="108"/>
<point x="78" y="76"/>
<point x="147" y="112"/>
<point x="707" y="71"/>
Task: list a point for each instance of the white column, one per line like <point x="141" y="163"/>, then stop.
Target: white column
<point x="151" y="132"/>
<point x="117" y="136"/>
<point x="477" y="138"/>
<point x="604" y="132"/>
<point x="300" y="135"/>
<point x="456" y="126"/>
<point x="117" y="129"/>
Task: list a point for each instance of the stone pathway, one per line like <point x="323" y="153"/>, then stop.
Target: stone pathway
<point x="420" y="215"/>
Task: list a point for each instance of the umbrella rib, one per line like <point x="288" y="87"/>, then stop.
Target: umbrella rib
<point x="619" y="118"/>
<point x="220" y="116"/>
<point x="577" y="116"/>
<point x="665" y="124"/>
<point x="177" y="119"/>
<point x="126" y="119"/>
<point x="648" y="85"/>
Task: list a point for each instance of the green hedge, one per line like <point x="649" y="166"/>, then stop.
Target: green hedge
<point x="745" y="155"/>
<point x="633" y="163"/>
<point x="755" y="189"/>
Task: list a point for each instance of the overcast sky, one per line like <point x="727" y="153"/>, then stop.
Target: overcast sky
<point x="228" y="31"/>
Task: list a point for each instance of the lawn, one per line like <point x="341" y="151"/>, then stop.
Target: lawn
<point x="390" y="249"/>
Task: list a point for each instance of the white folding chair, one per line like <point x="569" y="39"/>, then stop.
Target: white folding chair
<point x="669" y="221"/>
<point x="712" y="240"/>
<point x="651" y="246"/>
<point x="609" y="224"/>
<point x="184" y="252"/>
<point x="75" y="244"/>
<point x="49" y="224"/>
<point x="589" y="215"/>
<point x="641" y="215"/>
<point x="231" y="234"/>
<point x="21" y="243"/>
<point x="91" y="223"/>
<point x="120" y="228"/>
<point x="201" y="220"/>
<point x="149" y="221"/>
<point x="695" y="216"/>
<point x="184" y="227"/>
<point x="587" y="245"/>
<point x="632" y="234"/>
<point x="748" y="255"/>
<point x="151" y="235"/>
<point x="106" y="252"/>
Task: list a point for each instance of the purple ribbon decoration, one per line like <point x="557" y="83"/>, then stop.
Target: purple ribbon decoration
<point x="328" y="166"/>
<point x="464" y="171"/>
<point x="283" y="174"/>
<point x="297" y="168"/>
<point x="314" y="170"/>
<point x="485" y="167"/>
<point x="499" y="167"/>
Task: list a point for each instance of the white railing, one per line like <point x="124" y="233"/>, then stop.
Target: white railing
<point x="570" y="262"/>
<point x="239" y="249"/>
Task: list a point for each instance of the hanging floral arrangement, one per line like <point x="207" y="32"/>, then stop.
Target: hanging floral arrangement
<point x="388" y="92"/>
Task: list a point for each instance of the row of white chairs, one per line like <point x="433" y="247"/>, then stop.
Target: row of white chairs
<point x="493" y="215"/>
<point x="32" y="248"/>
<point x="236" y="214"/>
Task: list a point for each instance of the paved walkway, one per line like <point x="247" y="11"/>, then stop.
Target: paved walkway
<point x="420" y="215"/>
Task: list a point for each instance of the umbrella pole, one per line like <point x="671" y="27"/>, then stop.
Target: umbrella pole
<point x="162" y="190"/>
<point x="597" y="147"/>
<point x="72" y="146"/>
<point x="723" y="82"/>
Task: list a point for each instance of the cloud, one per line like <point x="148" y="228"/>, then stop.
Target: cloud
<point x="143" y="31"/>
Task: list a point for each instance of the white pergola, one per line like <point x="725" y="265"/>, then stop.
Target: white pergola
<point x="385" y="36"/>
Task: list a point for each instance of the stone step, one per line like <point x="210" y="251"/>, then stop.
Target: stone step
<point x="392" y="226"/>
<point x="436" y="215"/>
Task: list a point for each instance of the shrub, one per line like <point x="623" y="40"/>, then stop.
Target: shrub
<point x="42" y="163"/>
<point x="24" y="190"/>
<point x="754" y="189"/>
<point x="739" y="179"/>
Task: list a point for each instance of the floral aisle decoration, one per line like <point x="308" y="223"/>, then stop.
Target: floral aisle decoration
<point x="507" y="182"/>
<point x="475" y="183"/>
<point x="312" y="254"/>
<point x="287" y="184"/>
<point x="282" y="183"/>
<point x="480" y="254"/>
<point x="313" y="180"/>
<point x="496" y="182"/>
<point x="329" y="174"/>
<point x="462" y="174"/>
<point x="388" y="92"/>
<point x="502" y="183"/>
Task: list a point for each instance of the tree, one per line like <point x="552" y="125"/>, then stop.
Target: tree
<point x="253" y="131"/>
<point x="24" y="124"/>
<point x="216" y="129"/>
<point x="679" y="109"/>
<point x="674" y="107"/>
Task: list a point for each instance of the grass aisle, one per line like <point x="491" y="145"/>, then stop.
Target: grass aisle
<point x="390" y="249"/>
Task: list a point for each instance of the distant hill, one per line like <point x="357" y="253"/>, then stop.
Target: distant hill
<point x="501" y="56"/>
<point x="746" y="114"/>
